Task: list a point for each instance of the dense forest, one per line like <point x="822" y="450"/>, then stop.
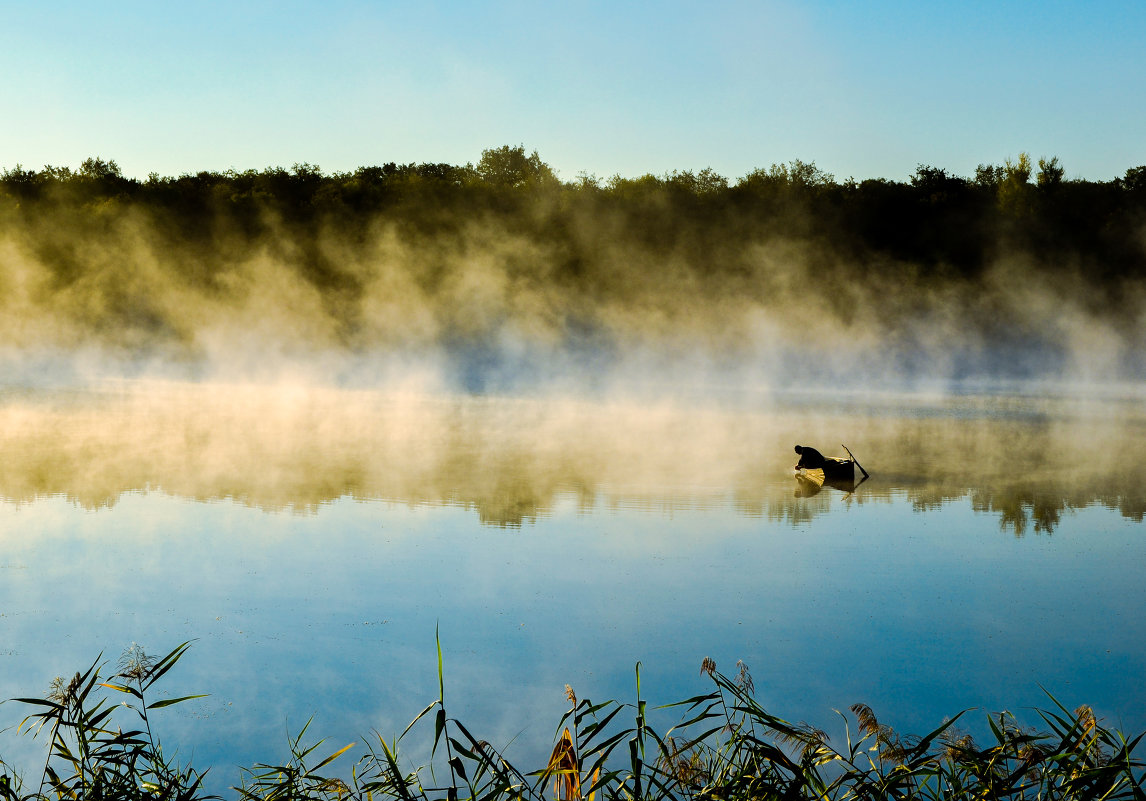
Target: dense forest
<point x="1016" y="271"/>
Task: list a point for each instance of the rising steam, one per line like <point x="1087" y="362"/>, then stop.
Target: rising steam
<point x="544" y="288"/>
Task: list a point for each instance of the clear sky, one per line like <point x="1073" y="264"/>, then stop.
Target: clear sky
<point x="864" y="89"/>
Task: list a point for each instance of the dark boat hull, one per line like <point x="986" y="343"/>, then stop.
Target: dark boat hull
<point x="839" y="470"/>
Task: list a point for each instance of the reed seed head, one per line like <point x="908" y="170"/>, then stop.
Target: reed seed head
<point x="135" y="663"/>
<point x="866" y="718"/>
<point x="744" y="678"/>
<point x="1085" y="716"/>
<point x="57" y="690"/>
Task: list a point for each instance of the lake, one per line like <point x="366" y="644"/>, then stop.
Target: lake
<point x="310" y="541"/>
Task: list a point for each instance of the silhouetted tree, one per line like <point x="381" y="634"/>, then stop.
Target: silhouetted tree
<point x="1134" y="181"/>
<point x="989" y="176"/>
<point x="935" y="184"/>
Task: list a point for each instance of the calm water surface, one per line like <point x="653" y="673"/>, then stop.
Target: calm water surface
<point x="309" y="542"/>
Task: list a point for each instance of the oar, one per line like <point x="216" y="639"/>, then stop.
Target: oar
<point x="854" y="459"/>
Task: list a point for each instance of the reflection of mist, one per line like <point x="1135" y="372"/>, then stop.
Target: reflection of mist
<point x="512" y="461"/>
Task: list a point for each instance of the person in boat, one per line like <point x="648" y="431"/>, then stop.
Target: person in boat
<point x="810" y="458"/>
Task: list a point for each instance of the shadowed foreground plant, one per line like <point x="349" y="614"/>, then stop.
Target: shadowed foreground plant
<point x="91" y="757"/>
<point x="294" y="779"/>
<point x="757" y="755"/>
<point x="727" y="748"/>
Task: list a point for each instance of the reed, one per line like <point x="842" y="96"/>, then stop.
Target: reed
<point x="727" y="747"/>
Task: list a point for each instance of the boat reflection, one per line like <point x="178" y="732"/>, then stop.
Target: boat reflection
<point x="810" y="482"/>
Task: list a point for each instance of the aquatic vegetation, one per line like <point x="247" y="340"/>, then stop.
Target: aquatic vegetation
<point x="726" y="747"/>
<point x="92" y="756"/>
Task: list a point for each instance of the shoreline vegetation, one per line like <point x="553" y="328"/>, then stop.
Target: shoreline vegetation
<point x="1017" y="271"/>
<point x="726" y="746"/>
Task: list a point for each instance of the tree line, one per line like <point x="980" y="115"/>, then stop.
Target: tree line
<point x="597" y="260"/>
<point x="937" y="220"/>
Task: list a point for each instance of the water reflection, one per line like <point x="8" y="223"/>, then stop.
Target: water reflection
<point x="511" y="461"/>
<point x="635" y="532"/>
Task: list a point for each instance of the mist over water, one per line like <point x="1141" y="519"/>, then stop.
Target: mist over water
<point x="555" y="293"/>
<point x="560" y="425"/>
<point x="512" y="460"/>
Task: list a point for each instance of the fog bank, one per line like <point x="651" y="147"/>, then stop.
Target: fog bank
<point x="459" y="279"/>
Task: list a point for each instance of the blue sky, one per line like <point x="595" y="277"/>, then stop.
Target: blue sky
<point x="864" y="89"/>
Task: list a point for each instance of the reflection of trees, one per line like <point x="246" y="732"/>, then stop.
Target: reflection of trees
<point x="1126" y="492"/>
<point x="787" y="508"/>
<point x="513" y="462"/>
<point x="511" y="502"/>
<point x="1017" y="507"/>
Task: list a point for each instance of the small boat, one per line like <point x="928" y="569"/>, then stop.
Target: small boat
<point x="837" y="472"/>
<point x="812" y="481"/>
<point x="833" y="470"/>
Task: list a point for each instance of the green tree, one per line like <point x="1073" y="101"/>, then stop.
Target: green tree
<point x="1050" y="172"/>
<point x="795" y="174"/>
<point x="507" y="166"/>
<point x="1018" y="172"/>
<point x="97" y="169"/>
<point x="587" y="182"/>
<point x="1014" y="189"/>
<point x="705" y="182"/>
<point x="20" y="182"/>
<point x="803" y="174"/>
<point x="643" y="186"/>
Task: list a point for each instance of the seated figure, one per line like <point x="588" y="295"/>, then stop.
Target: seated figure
<point x="810" y="458"/>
